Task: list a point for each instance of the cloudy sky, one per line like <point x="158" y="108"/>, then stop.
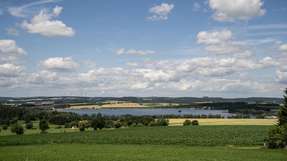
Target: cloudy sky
<point x="195" y="48"/>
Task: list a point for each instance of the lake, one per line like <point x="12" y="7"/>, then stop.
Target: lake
<point x="149" y="111"/>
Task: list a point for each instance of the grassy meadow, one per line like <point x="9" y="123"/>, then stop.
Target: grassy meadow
<point x="109" y="152"/>
<point x="182" y="143"/>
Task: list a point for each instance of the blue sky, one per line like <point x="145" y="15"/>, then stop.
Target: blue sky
<point x="143" y="48"/>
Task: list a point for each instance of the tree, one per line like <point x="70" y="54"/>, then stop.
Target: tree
<point x="186" y="123"/>
<point x="277" y="137"/>
<point x="194" y="122"/>
<point x="98" y="122"/>
<point x="43" y="125"/>
<point x="17" y="128"/>
<point x="282" y="114"/>
<point x="29" y="125"/>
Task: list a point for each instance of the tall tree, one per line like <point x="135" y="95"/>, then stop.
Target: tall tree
<point x="282" y="115"/>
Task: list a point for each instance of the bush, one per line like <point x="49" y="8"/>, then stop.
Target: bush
<point x="43" y="125"/>
<point x="109" y="124"/>
<point x="118" y="124"/>
<point x="186" y="123"/>
<point x="18" y="129"/>
<point x="5" y="127"/>
<point x="29" y="125"/>
<point x="194" y="122"/>
<point x="83" y="124"/>
<point x="160" y="122"/>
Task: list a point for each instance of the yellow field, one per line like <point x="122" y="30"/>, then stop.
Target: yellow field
<point x="179" y="121"/>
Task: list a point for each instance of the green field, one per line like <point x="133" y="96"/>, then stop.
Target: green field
<point x="95" y="152"/>
<point x="192" y="135"/>
<point x="193" y="143"/>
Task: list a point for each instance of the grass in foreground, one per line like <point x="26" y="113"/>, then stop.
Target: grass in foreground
<point x="85" y="152"/>
<point x="192" y="136"/>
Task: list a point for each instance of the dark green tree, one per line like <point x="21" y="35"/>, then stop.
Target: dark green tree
<point x="282" y="114"/>
<point x="98" y="122"/>
<point x="43" y="125"/>
<point x="29" y="125"/>
<point x="277" y="137"/>
<point x="17" y="128"/>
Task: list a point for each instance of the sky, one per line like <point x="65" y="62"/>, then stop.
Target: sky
<point x="196" y="48"/>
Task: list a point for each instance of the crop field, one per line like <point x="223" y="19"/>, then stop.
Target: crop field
<point x="191" y="136"/>
<point x="179" y="121"/>
<point x="174" y="143"/>
<point x="107" y="152"/>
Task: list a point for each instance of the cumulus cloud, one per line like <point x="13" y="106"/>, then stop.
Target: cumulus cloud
<point x="123" y="51"/>
<point x="160" y="12"/>
<point x="10" y="70"/>
<point x="226" y="10"/>
<point x="45" y="24"/>
<point x="59" y="64"/>
<point x="220" y="42"/>
<point x="9" y="51"/>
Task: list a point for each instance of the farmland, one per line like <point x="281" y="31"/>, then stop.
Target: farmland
<point x="190" y="136"/>
<point x="107" y="152"/>
<point x="204" y="143"/>
<point x="179" y="121"/>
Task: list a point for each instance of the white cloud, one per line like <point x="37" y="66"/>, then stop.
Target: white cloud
<point x="20" y="11"/>
<point x="122" y="51"/>
<point x="231" y="10"/>
<point x="220" y="42"/>
<point x="160" y="12"/>
<point x="59" y="64"/>
<point x="9" y="51"/>
<point x="214" y="37"/>
<point x="10" y="70"/>
<point x="44" y="24"/>
<point x="283" y="48"/>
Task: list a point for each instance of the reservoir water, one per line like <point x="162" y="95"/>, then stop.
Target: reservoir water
<point x="149" y="112"/>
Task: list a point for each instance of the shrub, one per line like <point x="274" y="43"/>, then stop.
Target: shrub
<point x="160" y="122"/>
<point x="118" y="124"/>
<point x="109" y="124"/>
<point x="5" y="127"/>
<point x="17" y="128"/>
<point x="29" y="125"/>
<point x="186" y="123"/>
<point x="83" y="124"/>
<point x="194" y="122"/>
<point x="43" y="125"/>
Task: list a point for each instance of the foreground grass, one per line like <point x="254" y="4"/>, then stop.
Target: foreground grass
<point x="104" y="152"/>
<point x="192" y="136"/>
